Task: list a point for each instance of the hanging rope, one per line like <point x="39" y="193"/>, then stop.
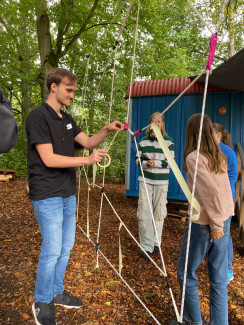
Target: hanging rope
<point x="212" y="47"/>
<point x="112" y="52"/>
<point x="200" y="16"/>
<point x="154" y="227"/>
<point x="193" y="193"/>
<point x="83" y="95"/>
<point x="133" y="59"/>
<point x="87" y="64"/>
<point x="128" y="286"/>
<point x="175" y="100"/>
<point x="104" y="33"/>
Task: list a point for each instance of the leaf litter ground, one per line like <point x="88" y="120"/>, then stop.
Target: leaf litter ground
<point x="106" y="299"/>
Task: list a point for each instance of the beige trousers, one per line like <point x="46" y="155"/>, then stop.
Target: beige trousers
<point x="158" y="199"/>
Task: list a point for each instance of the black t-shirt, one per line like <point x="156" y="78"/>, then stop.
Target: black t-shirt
<point x="43" y="125"/>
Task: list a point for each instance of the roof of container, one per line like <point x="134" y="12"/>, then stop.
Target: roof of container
<point x="168" y="86"/>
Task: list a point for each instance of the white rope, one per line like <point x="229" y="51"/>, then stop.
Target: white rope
<point x="111" y="143"/>
<point x="88" y="60"/>
<point x="100" y="214"/>
<point x="112" y="87"/>
<point x="78" y="197"/>
<point x="200" y="16"/>
<point x="150" y="204"/>
<point x="128" y="286"/>
<point x="193" y="193"/>
<point x="103" y="34"/>
<point x="154" y="226"/>
<point x="164" y="273"/>
<point x="88" y="212"/>
<point x="177" y="98"/>
<point x="160" y="270"/>
<point x="111" y="54"/>
<point x="179" y="317"/>
<point x="133" y="60"/>
<point x="83" y="95"/>
<point x="99" y="225"/>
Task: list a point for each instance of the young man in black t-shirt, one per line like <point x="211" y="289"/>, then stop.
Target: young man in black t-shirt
<point x="52" y="186"/>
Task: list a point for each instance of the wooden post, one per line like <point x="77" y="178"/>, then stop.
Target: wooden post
<point x="239" y="198"/>
<point x="241" y="220"/>
<point x="238" y="182"/>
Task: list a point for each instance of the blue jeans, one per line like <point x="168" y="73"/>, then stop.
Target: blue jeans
<point x="217" y="261"/>
<point x="230" y="250"/>
<point x="57" y="223"/>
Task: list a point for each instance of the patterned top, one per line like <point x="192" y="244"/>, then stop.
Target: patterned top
<point x="213" y="192"/>
<point x="159" y="173"/>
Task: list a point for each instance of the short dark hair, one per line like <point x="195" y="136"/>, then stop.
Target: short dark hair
<point x="57" y="75"/>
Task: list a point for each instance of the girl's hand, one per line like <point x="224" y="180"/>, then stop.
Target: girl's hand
<point x="216" y="235"/>
<point x="151" y="162"/>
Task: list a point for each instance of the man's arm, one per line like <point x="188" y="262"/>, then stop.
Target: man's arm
<point x="95" y="140"/>
<point x="52" y="160"/>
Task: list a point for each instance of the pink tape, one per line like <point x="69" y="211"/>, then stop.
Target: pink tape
<point x="211" y="51"/>
<point x="126" y="127"/>
<point x="138" y="132"/>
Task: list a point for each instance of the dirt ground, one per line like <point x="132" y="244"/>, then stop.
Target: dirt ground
<point x="107" y="299"/>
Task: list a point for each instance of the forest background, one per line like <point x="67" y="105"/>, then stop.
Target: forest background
<point x="38" y="36"/>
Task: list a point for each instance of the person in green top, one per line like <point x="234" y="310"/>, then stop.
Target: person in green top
<point x="156" y="173"/>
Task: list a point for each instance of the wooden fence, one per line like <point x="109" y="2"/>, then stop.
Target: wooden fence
<point x="239" y="199"/>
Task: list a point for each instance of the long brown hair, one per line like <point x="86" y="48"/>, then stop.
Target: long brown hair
<point x="208" y="147"/>
<point x="149" y="130"/>
<point x="225" y="135"/>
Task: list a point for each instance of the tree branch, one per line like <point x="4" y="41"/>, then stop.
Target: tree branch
<point x="62" y="30"/>
<point x="82" y="29"/>
<point x="204" y="53"/>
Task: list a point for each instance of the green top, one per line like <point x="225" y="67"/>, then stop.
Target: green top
<point x="159" y="173"/>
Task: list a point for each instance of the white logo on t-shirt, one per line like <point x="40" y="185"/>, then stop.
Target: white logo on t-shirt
<point x="69" y="126"/>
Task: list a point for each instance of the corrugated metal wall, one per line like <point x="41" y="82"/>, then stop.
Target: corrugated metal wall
<point x="175" y="120"/>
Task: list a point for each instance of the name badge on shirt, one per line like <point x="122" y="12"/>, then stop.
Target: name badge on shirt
<point x="69" y="126"/>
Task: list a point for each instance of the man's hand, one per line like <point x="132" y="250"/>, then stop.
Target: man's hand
<point x="115" y="126"/>
<point x="96" y="156"/>
<point x="216" y="235"/>
<point x="151" y="162"/>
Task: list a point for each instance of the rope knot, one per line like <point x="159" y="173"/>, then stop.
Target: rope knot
<point x="138" y="132"/>
<point x="126" y="127"/>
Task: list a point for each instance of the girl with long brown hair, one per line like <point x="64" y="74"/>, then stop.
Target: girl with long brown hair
<point x="223" y="138"/>
<point x="209" y="234"/>
<point x="156" y="175"/>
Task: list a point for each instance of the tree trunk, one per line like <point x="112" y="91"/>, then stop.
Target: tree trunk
<point x="49" y="55"/>
<point x="26" y="88"/>
<point x="232" y="29"/>
<point x="48" y="58"/>
<point x="27" y="104"/>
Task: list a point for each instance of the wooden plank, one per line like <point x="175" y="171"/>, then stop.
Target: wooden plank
<point x="5" y="178"/>
<point x="7" y="171"/>
<point x="241" y="220"/>
<point x="239" y="198"/>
